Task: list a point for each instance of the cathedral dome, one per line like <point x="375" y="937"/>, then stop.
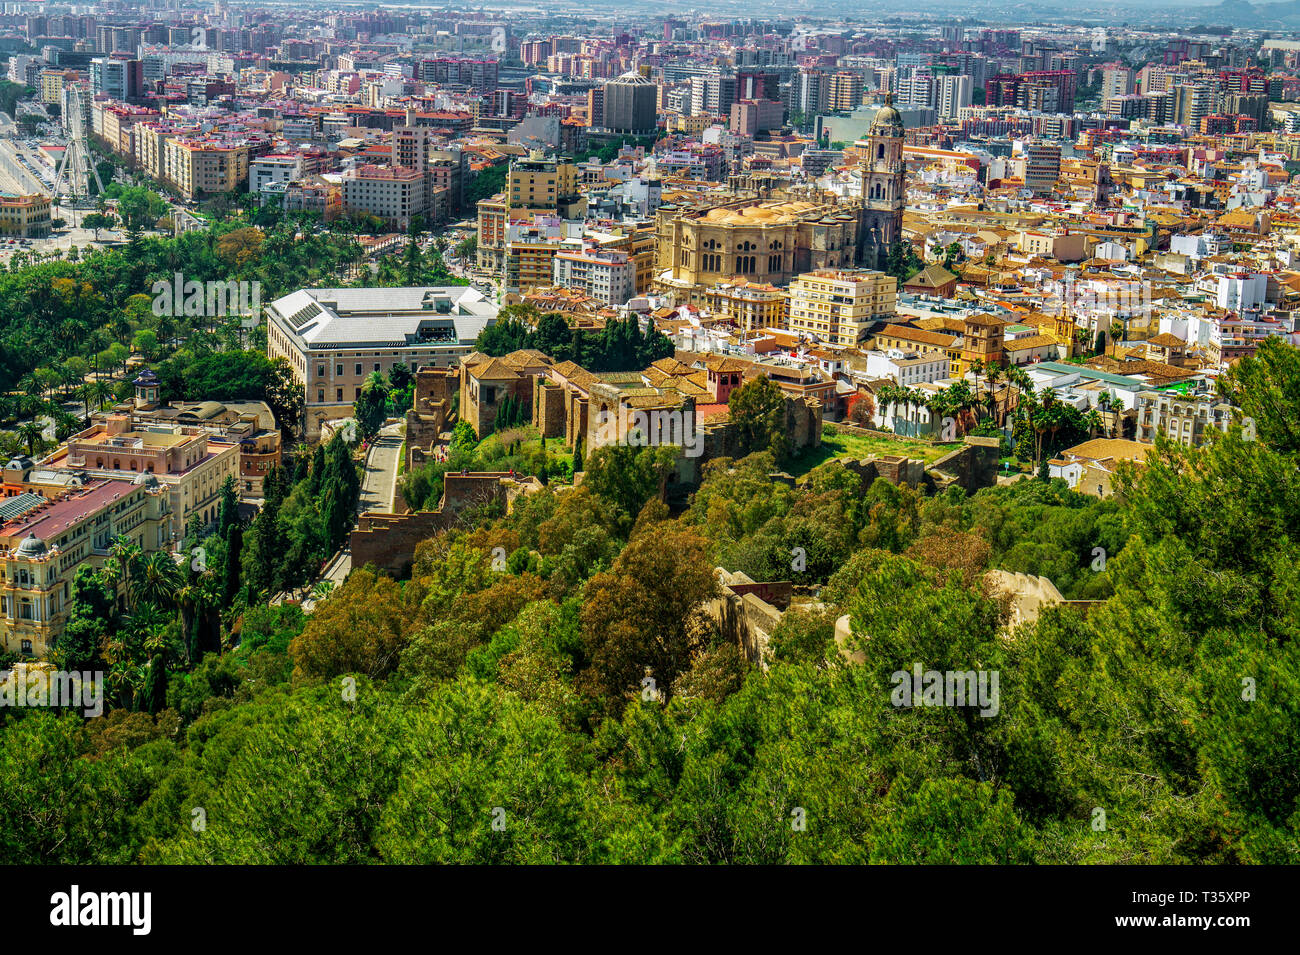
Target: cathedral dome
<point x="888" y="121"/>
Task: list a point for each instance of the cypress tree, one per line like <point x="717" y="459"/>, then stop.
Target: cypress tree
<point x="234" y="549"/>
<point x="229" y="514"/>
<point x="154" y="697"/>
<point x="317" y="470"/>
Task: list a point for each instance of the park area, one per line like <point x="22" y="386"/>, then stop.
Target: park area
<point x="837" y="444"/>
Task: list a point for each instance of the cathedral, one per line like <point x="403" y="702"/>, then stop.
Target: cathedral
<point x="767" y="230"/>
<point x="883" y="187"/>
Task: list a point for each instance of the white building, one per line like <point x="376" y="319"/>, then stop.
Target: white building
<point x="1241" y="291"/>
<point x="607" y="276"/>
<point x="267" y="170"/>
<point x="392" y="193"/>
<point x="334" y="339"/>
<point x="907" y="368"/>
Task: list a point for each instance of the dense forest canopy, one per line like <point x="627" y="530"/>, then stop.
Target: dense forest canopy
<point x="570" y="703"/>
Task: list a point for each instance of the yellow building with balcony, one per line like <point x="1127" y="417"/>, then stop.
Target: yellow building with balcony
<point x="840" y="306"/>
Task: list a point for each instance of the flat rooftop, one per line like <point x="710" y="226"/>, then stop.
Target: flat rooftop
<point x="54" y="518"/>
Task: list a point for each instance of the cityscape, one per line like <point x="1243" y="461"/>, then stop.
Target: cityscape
<point x="650" y="434"/>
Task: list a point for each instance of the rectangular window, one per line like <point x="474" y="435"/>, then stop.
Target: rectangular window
<point x="338" y="371"/>
<point x="338" y="394"/>
<point x="359" y="369"/>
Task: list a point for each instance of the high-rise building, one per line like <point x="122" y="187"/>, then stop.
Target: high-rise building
<point x="608" y="276"/>
<point x="629" y="104"/>
<point x="952" y="94"/>
<point x="1191" y="104"/>
<point x="596" y="107"/>
<point x="1116" y="81"/>
<point x="1042" y="166"/>
<point x="845" y="91"/>
<point x="119" y="79"/>
<point x="915" y="90"/>
<point x="809" y="90"/>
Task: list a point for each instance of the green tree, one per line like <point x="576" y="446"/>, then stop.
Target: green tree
<point x="757" y="408"/>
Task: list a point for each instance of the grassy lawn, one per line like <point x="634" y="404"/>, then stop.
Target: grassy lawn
<point x="856" y="446"/>
<point x="490" y="449"/>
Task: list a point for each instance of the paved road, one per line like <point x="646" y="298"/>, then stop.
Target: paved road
<point x="378" y="488"/>
<point x="379" y="483"/>
<point x="336" y="571"/>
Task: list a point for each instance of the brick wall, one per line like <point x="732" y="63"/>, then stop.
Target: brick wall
<point x="430" y="412"/>
<point x="389" y="540"/>
<point x="549" y="415"/>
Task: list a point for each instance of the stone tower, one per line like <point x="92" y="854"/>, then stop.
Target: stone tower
<point x="883" y="186"/>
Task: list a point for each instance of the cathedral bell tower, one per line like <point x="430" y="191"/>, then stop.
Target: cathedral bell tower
<point x="883" y="186"/>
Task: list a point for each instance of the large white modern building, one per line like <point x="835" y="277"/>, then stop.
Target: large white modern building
<point x="335" y="338"/>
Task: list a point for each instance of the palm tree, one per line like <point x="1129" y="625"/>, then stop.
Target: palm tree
<point x="124" y="555"/>
<point x="102" y="391"/>
<point x="1023" y="384"/>
<point x="937" y="405"/>
<point x="157" y="582"/>
<point x="65" y="425"/>
<point x="959" y="400"/>
<point x="86" y="393"/>
<point x="977" y="369"/>
<point x="1093" y="421"/>
<point x="886" y="399"/>
<point x="995" y="372"/>
<point x="33" y="434"/>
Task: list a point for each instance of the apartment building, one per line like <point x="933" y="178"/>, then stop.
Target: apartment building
<point x="544" y="185"/>
<point x="530" y="257"/>
<point x="845" y="91"/>
<point x="118" y="79"/>
<point x="841" y="305"/>
<point x="275" y="170"/>
<point x="395" y="194"/>
<point x="1185" y="419"/>
<point x="1042" y="167"/>
<point x="43" y="542"/>
<point x="199" y="168"/>
<point x="605" y="275"/>
<point x="53" y="83"/>
<point x="748" y="305"/>
<point x="335" y="338"/>
<point x="322" y="195"/>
